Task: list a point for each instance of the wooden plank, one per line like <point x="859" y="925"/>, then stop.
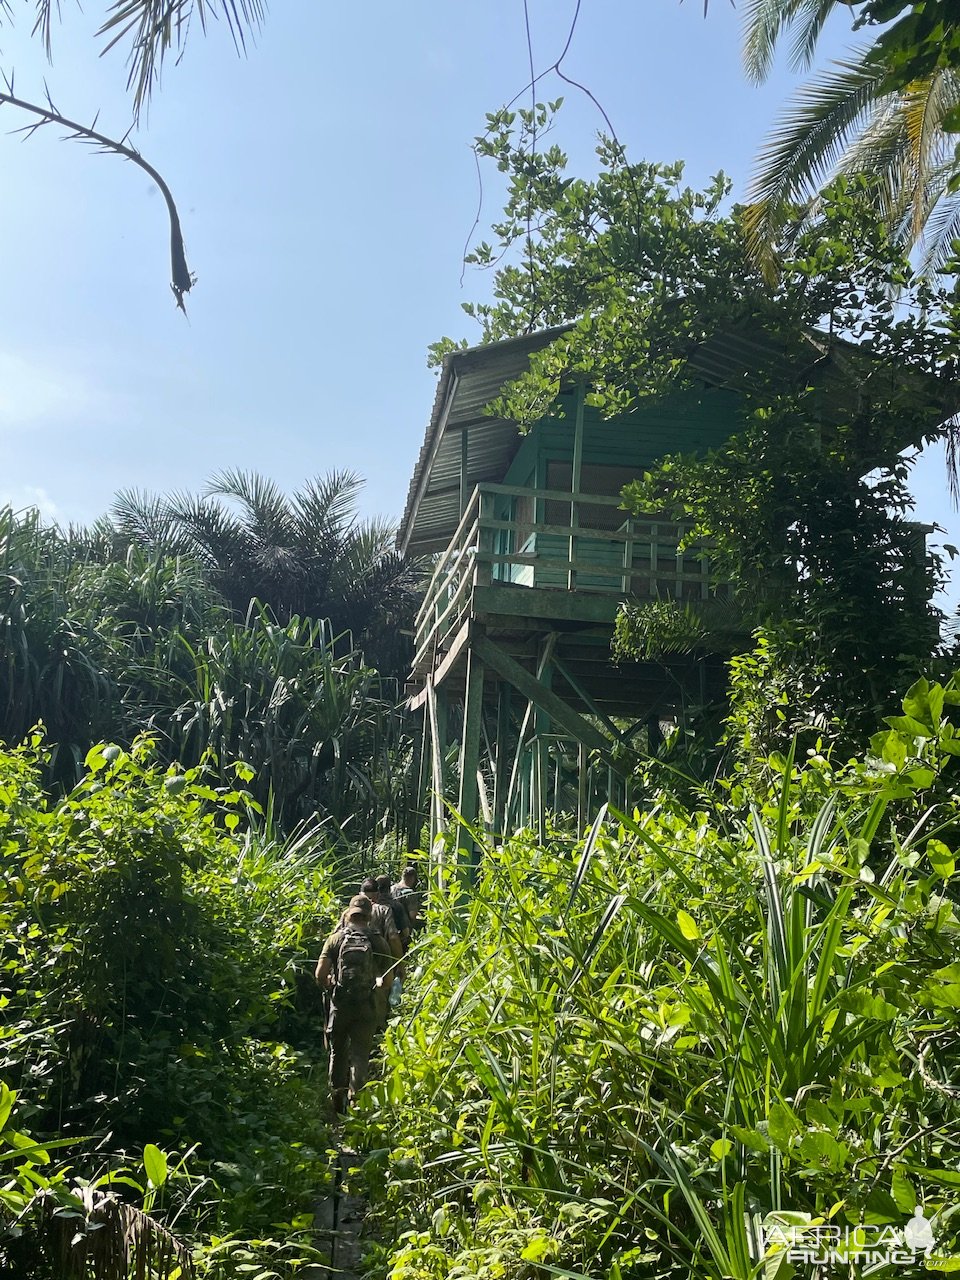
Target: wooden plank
<point x="541" y="759"/>
<point x="552" y="495"/>
<point x="543" y="698"/>
<point x="585" y="698"/>
<point x="458" y="536"/>
<point x="540" y="602"/>
<point x="436" y="753"/>
<point x="583" y="781"/>
<point x="417" y="700"/>
<point x="548" y="564"/>
<point x="452" y="657"/>
<point x="576" y="470"/>
<point x="545" y="654"/>
<point x="500" y="776"/>
<point x="436" y="630"/>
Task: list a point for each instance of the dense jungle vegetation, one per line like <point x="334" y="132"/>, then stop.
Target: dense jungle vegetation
<point x="162" y="1108"/>
<point x="634" y="1053"/>
<point x="267" y="630"/>
<point x="159" y="1107"/>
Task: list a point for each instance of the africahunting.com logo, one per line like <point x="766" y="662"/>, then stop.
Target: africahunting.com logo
<point x="796" y="1238"/>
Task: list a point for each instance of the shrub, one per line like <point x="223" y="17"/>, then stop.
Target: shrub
<point x="149" y="955"/>
<point x="638" y="1049"/>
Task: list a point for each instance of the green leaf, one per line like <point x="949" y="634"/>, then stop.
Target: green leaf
<point x="916" y="704"/>
<point x="903" y="1192"/>
<point x="688" y="926"/>
<point x="868" y="1006"/>
<point x="941" y="859"/>
<point x="753" y="1139"/>
<point x="782" y="1125"/>
<point x="155" y="1165"/>
<point x="7" y="1098"/>
<point x="881" y="1207"/>
<point x="721" y="1148"/>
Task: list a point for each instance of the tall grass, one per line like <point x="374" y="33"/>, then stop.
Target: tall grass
<point x="627" y="1053"/>
<point x="100" y="641"/>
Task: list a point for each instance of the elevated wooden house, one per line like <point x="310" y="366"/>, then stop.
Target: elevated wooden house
<point x="513" y="669"/>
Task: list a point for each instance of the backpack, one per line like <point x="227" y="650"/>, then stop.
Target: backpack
<point x="356" y="971"/>
<point x="401" y="916"/>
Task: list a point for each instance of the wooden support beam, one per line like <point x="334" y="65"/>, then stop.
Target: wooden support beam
<point x="543" y="698"/>
<point x="437" y="715"/>
<point x="501" y="763"/>
<point x="581" y="693"/>
<point x="421" y="749"/>
<point x="583" y="787"/>
<point x="518" y="754"/>
<point x="545" y="655"/>
<point x="541" y="757"/>
<point x="453" y="654"/>
<point x="470" y="742"/>
<point x="576" y="471"/>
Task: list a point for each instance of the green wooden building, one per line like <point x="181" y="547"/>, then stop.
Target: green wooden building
<point x="513" y="670"/>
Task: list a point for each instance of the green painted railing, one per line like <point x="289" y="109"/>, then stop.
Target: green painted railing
<point x="550" y="540"/>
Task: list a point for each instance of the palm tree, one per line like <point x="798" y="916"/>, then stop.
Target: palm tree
<point x="306" y="555"/>
<point x="855" y="117"/>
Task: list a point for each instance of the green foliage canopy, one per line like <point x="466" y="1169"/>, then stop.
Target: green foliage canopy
<point x="849" y="362"/>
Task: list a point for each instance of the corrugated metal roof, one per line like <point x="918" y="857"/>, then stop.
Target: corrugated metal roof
<point x="738" y="359"/>
<point x="469" y="381"/>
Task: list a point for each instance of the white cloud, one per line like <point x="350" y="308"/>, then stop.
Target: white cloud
<point x="30" y="496"/>
<point x="45" y="391"/>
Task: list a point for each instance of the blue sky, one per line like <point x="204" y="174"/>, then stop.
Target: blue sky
<point x="326" y="188"/>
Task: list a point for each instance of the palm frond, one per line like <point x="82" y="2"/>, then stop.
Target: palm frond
<point x="103" y="1238"/>
<point x="266" y="505"/>
<point x="216" y="536"/>
<point x="765" y="21"/>
<point x="147" y="520"/>
<point x="155" y="28"/>
<point x="951" y="449"/>
<point x="811" y="139"/>
<point x="328" y="502"/>
<point x="926" y="104"/>
<point x="942" y="229"/>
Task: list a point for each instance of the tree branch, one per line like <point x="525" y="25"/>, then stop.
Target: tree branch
<point x="181" y="278"/>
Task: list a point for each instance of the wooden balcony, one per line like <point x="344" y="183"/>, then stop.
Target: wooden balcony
<point x="537" y="556"/>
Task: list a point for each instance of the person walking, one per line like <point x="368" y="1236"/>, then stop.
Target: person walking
<point x="348" y="966"/>
<point x="382" y="921"/>
<point x="410" y="896"/>
<point x="401" y="916"/>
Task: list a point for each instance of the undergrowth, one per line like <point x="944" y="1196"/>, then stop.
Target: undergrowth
<point x="696" y="1041"/>
<point x="160" y="1084"/>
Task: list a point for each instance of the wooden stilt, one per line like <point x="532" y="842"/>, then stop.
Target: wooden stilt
<point x="516" y="772"/>
<point x="501" y="775"/>
<point x="414" y="826"/>
<point x="470" y="747"/>
<point x="583" y="786"/>
<point x="541" y="759"/>
<point x="437" y="715"/>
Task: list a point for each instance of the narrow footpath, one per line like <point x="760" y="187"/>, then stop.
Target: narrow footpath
<point x="339" y="1224"/>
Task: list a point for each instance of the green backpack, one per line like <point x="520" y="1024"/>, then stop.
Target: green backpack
<point x="356" y="970"/>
